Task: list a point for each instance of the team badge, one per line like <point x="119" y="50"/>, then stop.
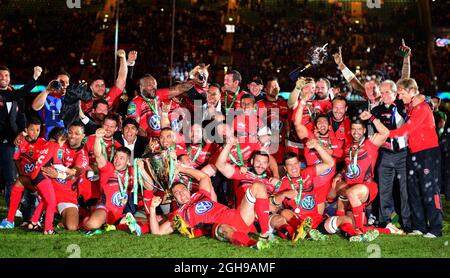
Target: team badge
<point x="176" y="125"/>
<point x="203" y="207"/>
<point x="61" y="181"/>
<point x="118" y="200"/>
<point x="131" y="109"/>
<point x="308" y="203"/>
<point x="353" y="171"/>
<point x="28" y="168"/>
<point x="60" y="154"/>
<point x="154" y="122"/>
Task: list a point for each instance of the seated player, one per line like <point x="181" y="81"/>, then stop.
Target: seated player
<point x="198" y="212"/>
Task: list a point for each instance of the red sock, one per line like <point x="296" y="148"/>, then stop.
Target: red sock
<point x="340" y="213"/>
<point x="359" y="215"/>
<point x="381" y="230"/>
<point x="37" y="212"/>
<point x="122" y="227"/>
<point x="242" y="239"/>
<point x="145" y="228"/>
<point x="294" y="222"/>
<point x="47" y="193"/>
<point x="148" y="196"/>
<point x="262" y="211"/>
<point x="348" y="228"/>
<point x="16" y="196"/>
<point x="286" y="231"/>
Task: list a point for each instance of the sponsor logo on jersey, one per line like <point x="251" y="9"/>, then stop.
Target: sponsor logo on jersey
<point x="28" y="168"/>
<point x="353" y="175"/>
<point x="118" y="200"/>
<point x="154" y="122"/>
<point x="203" y="207"/>
<point x="308" y="202"/>
<point x="131" y="109"/>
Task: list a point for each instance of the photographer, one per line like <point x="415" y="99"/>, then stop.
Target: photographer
<point x="50" y="101"/>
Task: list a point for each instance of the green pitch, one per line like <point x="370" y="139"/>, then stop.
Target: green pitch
<point x="17" y="243"/>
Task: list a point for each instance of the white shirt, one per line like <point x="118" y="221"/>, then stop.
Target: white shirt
<point x="206" y="114"/>
<point x="130" y="147"/>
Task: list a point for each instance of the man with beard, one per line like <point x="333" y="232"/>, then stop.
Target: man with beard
<point x="244" y="179"/>
<point x="146" y="108"/>
<point x="12" y="121"/>
<point x="340" y="123"/>
<point x="356" y="183"/>
<point x="98" y="114"/>
<point x="49" y="102"/>
<point x="231" y="98"/>
<point x="330" y="144"/>
<point x="277" y="118"/>
<point x="98" y="86"/>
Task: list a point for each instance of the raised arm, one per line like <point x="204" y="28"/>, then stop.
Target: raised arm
<point x="406" y="68"/>
<point x="327" y="160"/>
<point x="349" y="75"/>
<point x="301" y="129"/>
<point x="123" y="70"/>
<point x="98" y="153"/>
<point x="204" y="181"/>
<point x="293" y="97"/>
<point x="180" y="89"/>
<point x="156" y="229"/>
<point x="222" y="165"/>
<point x="382" y="134"/>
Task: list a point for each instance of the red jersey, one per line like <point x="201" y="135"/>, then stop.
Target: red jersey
<point x="232" y="99"/>
<point x="328" y="142"/>
<point x="420" y="129"/>
<point x="27" y="154"/>
<point x="66" y="190"/>
<point x="246" y="150"/>
<point x="110" y="145"/>
<point x="247" y="125"/>
<point x="307" y="204"/>
<point x="112" y="97"/>
<point x="200" y="154"/>
<point x="51" y="153"/>
<point x="360" y="160"/>
<point x="148" y="112"/>
<point x="243" y="181"/>
<point x="342" y="132"/>
<point x="113" y="198"/>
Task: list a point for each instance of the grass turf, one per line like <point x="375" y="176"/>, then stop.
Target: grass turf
<point x="17" y="243"/>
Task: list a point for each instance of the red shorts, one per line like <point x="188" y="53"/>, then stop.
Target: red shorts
<point x="113" y="215"/>
<point x="322" y="186"/>
<point x="89" y="189"/>
<point x="233" y="218"/>
<point x="64" y="196"/>
<point x="373" y="190"/>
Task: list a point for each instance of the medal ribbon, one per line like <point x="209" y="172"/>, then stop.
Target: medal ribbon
<point x="354" y="159"/>
<point x="300" y="189"/>
<point x="239" y="153"/>
<point x="102" y="142"/>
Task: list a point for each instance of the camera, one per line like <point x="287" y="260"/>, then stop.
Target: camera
<point x="55" y="84"/>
